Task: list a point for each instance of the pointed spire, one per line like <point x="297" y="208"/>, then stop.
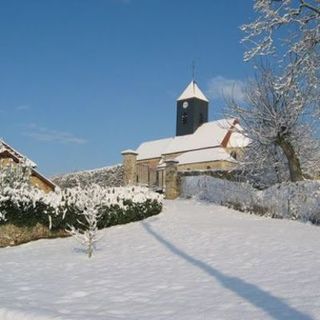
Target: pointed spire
<point x="192" y="91"/>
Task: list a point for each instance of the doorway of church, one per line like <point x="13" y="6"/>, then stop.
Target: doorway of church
<point x="150" y="177"/>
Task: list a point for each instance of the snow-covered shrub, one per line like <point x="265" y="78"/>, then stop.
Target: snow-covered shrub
<point x="291" y="200"/>
<point x="87" y="210"/>
<point x="115" y="205"/>
<point x="105" y="177"/>
<point x="298" y="201"/>
<point x="20" y="202"/>
<point x="23" y="205"/>
<point x="219" y="191"/>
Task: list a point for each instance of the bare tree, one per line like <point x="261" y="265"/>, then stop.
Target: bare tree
<point x="288" y="33"/>
<point x="274" y="120"/>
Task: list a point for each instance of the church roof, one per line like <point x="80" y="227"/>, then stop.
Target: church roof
<point x="208" y="135"/>
<point x="192" y="91"/>
<point x="152" y="149"/>
<point x="238" y="140"/>
<point x="206" y="155"/>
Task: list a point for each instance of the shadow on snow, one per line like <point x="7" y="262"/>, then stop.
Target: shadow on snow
<point x="274" y="306"/>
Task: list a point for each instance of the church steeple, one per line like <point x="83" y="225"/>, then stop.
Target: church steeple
<point x="192" y="110"/>
<point x="192" y="91"/>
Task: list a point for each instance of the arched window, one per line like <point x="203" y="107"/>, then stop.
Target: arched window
<point x="184" y="118"/>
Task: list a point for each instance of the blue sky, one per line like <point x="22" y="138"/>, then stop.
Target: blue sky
<point x="82" y="80"/>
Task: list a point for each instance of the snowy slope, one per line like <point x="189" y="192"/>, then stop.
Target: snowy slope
<point x="194" y="261"/>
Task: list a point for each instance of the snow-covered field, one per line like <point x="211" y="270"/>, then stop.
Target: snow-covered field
<point x="193" y="261"/>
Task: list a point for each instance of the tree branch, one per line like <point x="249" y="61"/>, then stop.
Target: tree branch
<point x="304" y="4"/>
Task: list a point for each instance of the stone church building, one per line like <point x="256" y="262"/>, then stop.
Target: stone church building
<point x="198" y="144"/>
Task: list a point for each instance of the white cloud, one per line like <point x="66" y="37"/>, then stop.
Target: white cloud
<point x="23" y="107"/>
<point x="220" y="87"/>
<point x="47" y="135"/>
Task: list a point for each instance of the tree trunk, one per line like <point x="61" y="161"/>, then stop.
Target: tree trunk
<point x="90" y="244"/>
<point x="293" y="160"/>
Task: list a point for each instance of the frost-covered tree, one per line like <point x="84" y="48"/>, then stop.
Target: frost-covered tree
<point x="274" y="119"/>
<point x="88" y="204"/>
<point x="105" y="177"/>
<point x="15" y="176"/>
<point x="289" y="31"/>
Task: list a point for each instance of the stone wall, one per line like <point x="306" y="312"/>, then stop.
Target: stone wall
<point x="216" y="165"/>
<point x="11" y="235"/>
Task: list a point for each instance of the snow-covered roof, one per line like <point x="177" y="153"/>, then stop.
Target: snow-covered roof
<point x="153" y="149"/>
<point x="237" y="140"/>
<point x="209" y="135"/>
<point x="5" y="147"/>
<point x="18" y="157"/>
<point x="192" y="91"/>
<point x="206" y="155"/>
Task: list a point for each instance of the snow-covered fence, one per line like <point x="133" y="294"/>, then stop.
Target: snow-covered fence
<point x="298" y="201"/>
<point x="104" y="177"/>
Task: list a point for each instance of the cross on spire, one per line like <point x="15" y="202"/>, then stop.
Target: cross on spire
<point x="193" y="70"/>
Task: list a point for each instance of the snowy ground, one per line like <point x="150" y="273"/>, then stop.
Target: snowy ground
<point x="194" y="261"/>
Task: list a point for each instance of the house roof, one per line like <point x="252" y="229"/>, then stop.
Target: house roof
<point x="192" y="91"/>
<point x="209" y="135"/>
<point x="206" y="155"/>
<point x="7" y="151"/>
<point x="18" y="155"/>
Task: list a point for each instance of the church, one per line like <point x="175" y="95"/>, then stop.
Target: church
<point x="197" y="145"/>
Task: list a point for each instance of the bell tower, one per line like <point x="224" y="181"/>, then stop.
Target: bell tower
<point x="192" y="110"/>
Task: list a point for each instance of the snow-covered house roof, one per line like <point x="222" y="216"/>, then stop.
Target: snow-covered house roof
<point x="5" y="147"/>
<point x="206" y="155"/>
<point x="209" y="135"/>
<point x="6" y="151"/>
<point x="192" y="91"/>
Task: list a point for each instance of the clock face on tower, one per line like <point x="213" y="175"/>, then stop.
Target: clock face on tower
<point x="185" y="105"/>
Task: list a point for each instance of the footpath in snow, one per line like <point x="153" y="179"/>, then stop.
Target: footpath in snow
<point x="194" y="261"/>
